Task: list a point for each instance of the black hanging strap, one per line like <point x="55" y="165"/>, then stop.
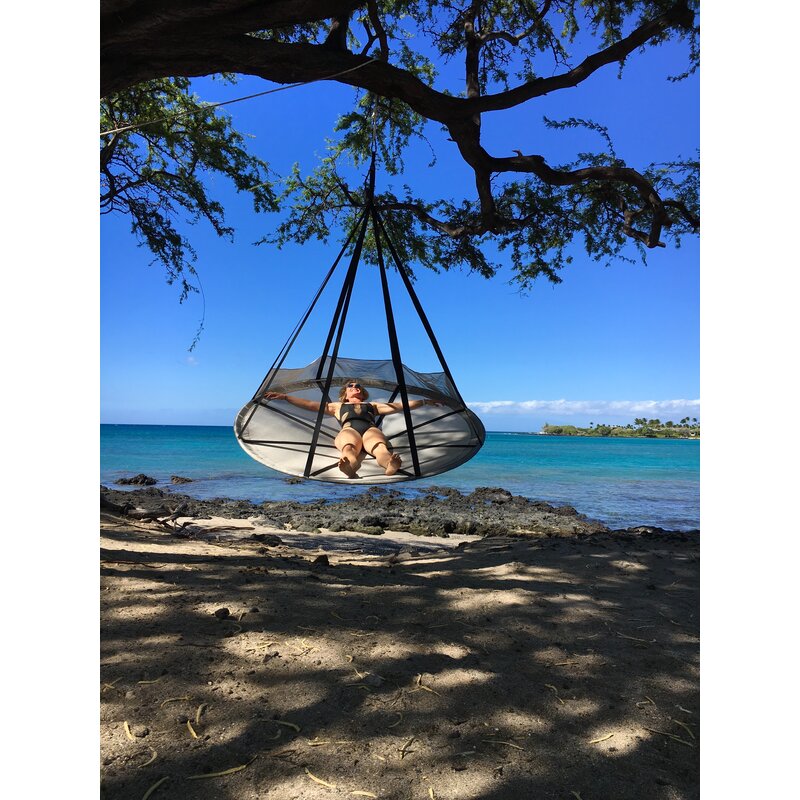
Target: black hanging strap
<point x="379" y="224"/>
<point x="394" y="346"/>
<point x="341" y="314"/>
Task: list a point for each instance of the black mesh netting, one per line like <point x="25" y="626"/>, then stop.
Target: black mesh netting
<point x="281" y="435"/>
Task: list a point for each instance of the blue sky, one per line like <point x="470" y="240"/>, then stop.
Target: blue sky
<point x="608" y="344"/>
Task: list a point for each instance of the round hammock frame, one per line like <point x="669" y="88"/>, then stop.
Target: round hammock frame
<point x="430" y="440"/>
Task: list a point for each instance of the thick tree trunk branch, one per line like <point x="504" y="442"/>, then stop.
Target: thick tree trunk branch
<point x="126" y="21"/>
<point x="454" y="231"/>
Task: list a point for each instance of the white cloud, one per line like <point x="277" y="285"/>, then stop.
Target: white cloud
<point x="647" y="408"/>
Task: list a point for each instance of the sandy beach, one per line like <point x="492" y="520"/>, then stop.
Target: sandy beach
<point x="242" y="657"/>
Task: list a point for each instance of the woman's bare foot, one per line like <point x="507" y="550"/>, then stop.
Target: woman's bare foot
<point x="394" y="464"/>
<point x="346" y="467"/>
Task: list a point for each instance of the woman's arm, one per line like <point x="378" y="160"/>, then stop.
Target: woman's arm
<point x="300" y="402"/>
<point x="393" y="408"/>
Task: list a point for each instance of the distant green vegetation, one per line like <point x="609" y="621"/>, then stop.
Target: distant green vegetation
<point x="641" y="428"/>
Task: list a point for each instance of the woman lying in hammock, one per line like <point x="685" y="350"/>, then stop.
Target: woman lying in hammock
<point x="360" y="433"/>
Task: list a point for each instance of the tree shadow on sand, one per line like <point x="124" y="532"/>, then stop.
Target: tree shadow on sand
<point x="547" y="668"/>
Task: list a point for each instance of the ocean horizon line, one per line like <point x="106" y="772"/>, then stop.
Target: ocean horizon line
<point x="205" y="425"/>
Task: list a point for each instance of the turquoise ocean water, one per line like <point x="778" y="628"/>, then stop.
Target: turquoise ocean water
<point x="620" y="482"/>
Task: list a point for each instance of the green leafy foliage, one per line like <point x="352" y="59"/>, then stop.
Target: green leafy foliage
<point x="641" y="429"/>
<point x="157" y="175"/>
<point x="527" y="212"/>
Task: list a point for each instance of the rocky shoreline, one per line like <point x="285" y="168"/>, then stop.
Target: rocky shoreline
<point x="440" y="511"/>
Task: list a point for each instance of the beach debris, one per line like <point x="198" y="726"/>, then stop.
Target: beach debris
<point x="635" y="639"/>
<point x="421" y="686"/>
<point x="111" y="686"/>
<point x="147" y="683"/>
<point x="670" y="735"/>
<point x="191" y="729"/>
<point x="154" y="787"/>
<point x="230" y="771"/>
<point x="685" y="710"/>
<point x="151" y="759"/>
<point x="684" y="726"/>
<point x="404" y="751"/>
<point x="287" y="724"/>
<point x="319" y="780"/>
<point x="555" y="692"/>
<point x="430" y="793"/>
<point x="128" y="731"/>
<point x="363" y="794"/>
<point x="398" y="721"/>
<point x="317" y="742"/>
<point x="501" y="741"/>
<point x="601" y="739"/>
<point x="265" y="644"/>
<point x="202" y="707"/>
<point x="174" y="700"/>
<point x="576" y="795"/>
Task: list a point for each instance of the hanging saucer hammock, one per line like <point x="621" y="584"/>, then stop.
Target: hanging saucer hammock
<point x="430" y="440"/>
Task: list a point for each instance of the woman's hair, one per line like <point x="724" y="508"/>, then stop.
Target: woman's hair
<point x="343" y="390"/>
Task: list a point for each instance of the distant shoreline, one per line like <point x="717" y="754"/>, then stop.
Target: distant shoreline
<point x="609" y="436"/>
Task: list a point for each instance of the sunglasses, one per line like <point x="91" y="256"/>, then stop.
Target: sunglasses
<point x="354" y="386"/>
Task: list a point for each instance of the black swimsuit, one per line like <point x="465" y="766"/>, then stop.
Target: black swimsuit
<point x="358" y="416"/>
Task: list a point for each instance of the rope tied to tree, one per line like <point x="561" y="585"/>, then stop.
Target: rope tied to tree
<point x="212" y="106"/>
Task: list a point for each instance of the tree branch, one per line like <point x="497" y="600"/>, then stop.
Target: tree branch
<point x="679" y="15"/>
<point x="515" y="40"/>
<point x="380" y="31"/>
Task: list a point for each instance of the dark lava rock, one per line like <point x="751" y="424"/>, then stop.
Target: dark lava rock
<point x="489" y="495"/>
<point x="371" y="530"/>
<point x="565" y="511"/>
<point x="222" y="613"/>
<point x="434" y="511"/>
<point x="179" y="479"/>
<point x="267" y="538"/>
<point x="137" y="480"/>
<point x="321" y="561"/>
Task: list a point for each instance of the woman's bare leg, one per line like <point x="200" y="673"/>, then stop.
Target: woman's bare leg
<point x="349" y="444"/>
<point x="375" y="443"/>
